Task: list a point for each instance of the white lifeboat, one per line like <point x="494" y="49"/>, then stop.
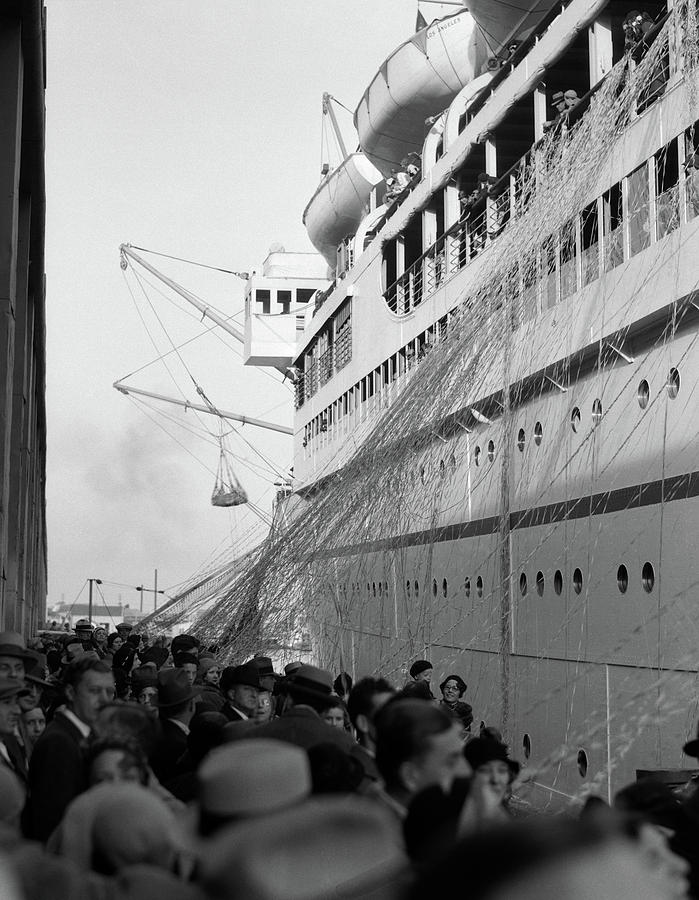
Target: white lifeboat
<point x="418" y="80"/>
<point x="505" y="21"/>
<point x="339" y="204"/>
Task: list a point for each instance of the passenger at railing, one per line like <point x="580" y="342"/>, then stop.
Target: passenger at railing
<point x="636" y="26"/>
<point x="562" y="102"/>
<point x="414" y="164"/>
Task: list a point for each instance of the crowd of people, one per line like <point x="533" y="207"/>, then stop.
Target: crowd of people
<point x="130" y="766"/>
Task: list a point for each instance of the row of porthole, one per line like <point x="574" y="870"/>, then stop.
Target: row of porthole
<point x="582" y="760"/>
<point x="672" y="386"/>
<point x="622" y="578"/>
<point x="647" y="582"/>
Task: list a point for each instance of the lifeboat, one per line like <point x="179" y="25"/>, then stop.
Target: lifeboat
<point x="418" y="80"/>
<point x="336" y="209"/>
<point x="503" y="21"/>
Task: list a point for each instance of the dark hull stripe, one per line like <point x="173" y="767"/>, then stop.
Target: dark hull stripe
<point x="650" y="493"/>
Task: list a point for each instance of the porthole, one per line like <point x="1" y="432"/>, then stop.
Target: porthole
<point x="582" y="763"/>
<point x="540" y="583"/>
<point x="373" y="588"/>
<point x="622" y="578"/>
<point x="521" y="440"/>
<point x="558" y="582"/>
<point x="643" y="393"/>
<point x="673" y="383"/>
<point x="452" y="460"/>
<point x="467" y="587"/>
<point x="648" y="577"/>
<point x="422" y="474"/>
<point x="527" y="746"/>
<point x="491" y="451"/>
<point x="385" y="587"/>
<point x="523" y="584"/>
<point x="577" y="581"/>
<point x="368" y="589"/>
<point x="538" y="433"/>
<point x="380" y="589"/>
<point x="442" y="468"/>
<point x="445" y="587"/>
<point x="575" y="419"/>
<point x="407" y="588"/>
<point x="477" y="455"/>
<point x="434" y="587"/>
<point x="596" y="413"/>
<point x="417" y="589"/>
<point x="479" y="586"/>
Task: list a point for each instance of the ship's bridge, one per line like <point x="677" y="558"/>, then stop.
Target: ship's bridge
<point x="275" y="305"/>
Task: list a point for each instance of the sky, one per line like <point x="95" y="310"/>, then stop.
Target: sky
<point x="192" y="128"/>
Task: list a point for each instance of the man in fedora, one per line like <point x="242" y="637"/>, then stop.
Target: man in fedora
<point x="10" y="692"/>
<point x="176" y="707"/>
<point x="308" y="694"/>
<point x="240" y="685"/>
<point x="57" y="765"/>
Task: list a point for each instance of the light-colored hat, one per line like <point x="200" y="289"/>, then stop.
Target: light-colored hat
<point x="327" y="847"/>
<point x="253" y="776"/>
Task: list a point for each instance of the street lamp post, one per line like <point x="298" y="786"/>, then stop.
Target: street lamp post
<point x="89" y="602"/>
<point x="155" y="590"/>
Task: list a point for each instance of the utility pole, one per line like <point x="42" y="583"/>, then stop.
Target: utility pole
<point x="89" y="602"/>
<point x="155" y="590"/>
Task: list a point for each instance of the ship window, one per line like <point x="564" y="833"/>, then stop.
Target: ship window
<point x="445" y="587"/>
<point x="643" y="393"/>
<point x="582" y="763"/>
<point x="423" y="476"/>
<point x="596" y="413"/>
<point x="622" y="578"/>
<point x="520" y="440"/>
<point x="538" y="433"/>
<point x="577" y="581"/>
<point x="434" y="587"/>
<point x="407" y="587"/>
<point x="303" y="295"/>
<point x="262" y="298"/>
<point x="667" y="202"/>
<point x="380" y="589"/>
<point x="284" y="300"/>
<point x="477" y="456"/>
<point x="523" y="584"/>
<point x="417" y="589"/>
<point x="479" y="586"/>
<point x="648" y="577"/>
<point x="452" y="461"/>
<point x="527" y="746"/>
<point x="385" y="587"/>
<point x="575" y="419"/>
<point x="613" y="232"/>
<point x="540" y="583"/>
<point x="442" y="468"/>
<point x="589" y="244"/>
<point x="373" y="588"/>
<point x="558" y="582"/>
<point x="491" y="451"/>
<point x="467" y="587"/>
<point x="639" y="210"/>
<point x="673" y="383"/>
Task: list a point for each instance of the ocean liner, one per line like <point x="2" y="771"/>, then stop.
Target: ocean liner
<point x="495" y="385"/>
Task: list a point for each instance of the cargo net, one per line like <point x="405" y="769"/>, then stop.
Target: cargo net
<point x="457" y="477"/>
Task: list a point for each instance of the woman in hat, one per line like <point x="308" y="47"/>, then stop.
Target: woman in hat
<point x="453" y="688"/>
<point x="493" y="774"/>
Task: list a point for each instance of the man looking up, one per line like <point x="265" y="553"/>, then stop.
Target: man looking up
<point x="56" y="769"/>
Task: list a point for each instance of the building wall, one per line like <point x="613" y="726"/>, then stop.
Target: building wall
<point x="22" y="323"/>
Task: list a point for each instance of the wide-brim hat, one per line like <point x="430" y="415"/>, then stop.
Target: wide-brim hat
<point x="11" y="688"/>
<point x="479" y="751"/>
<point x="174" y="688"/>
<point x="310" y="681"/>
<point x="12" y="644"/>
<point x="268" y="677"/>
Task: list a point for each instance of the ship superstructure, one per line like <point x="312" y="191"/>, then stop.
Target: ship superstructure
<point x="494" y="438"/>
